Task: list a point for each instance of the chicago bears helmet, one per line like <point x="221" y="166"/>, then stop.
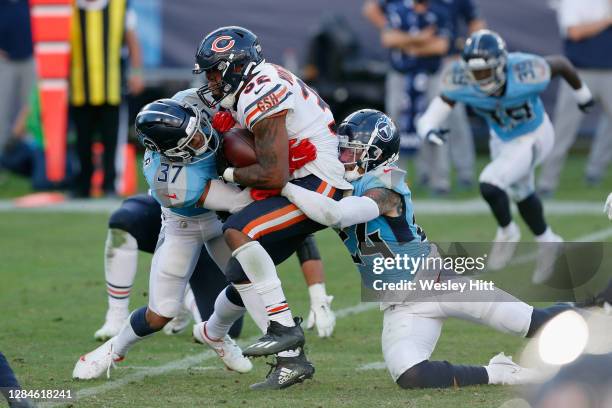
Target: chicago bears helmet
<point x="179" y="131"/>
<point x="232" y="51"/>
<point x="367" y="139"/>
<point x="485" y="57"/>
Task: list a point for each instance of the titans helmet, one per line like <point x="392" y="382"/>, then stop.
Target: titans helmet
<point x="179" y="131"/>
<point x="235" y="53"/>
<point x="368" y="139"/>
<point x="484" y="57"/>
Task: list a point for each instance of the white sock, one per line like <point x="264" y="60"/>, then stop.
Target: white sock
<point x="224" y="316"/>
<point x="260" y="269"/>
<point x="510" y="228"/>
<point x="317" y="292"/>
<point x="125" y="339"/>
<point x="120" y="265"/>
<point x="254" y="305"/>
<point x="190" y="304"/>
<point x="547" y="236"/>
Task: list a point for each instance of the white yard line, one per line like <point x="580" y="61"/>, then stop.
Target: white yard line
<point x="181" y="364"/>
<point x="472" y="206"/>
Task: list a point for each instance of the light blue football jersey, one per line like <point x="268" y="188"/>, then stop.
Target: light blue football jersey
<point x="178" y="186"/>
<point x="519" y="110"/>
<point x="385" y="236"/>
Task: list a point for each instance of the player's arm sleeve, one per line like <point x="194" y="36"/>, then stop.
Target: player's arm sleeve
<point x="326" y="211"/>
<point x="221" y="196"/>
<point x="436" y="113"/>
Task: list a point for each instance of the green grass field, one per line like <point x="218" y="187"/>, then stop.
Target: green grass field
<point x="52" y="299"/>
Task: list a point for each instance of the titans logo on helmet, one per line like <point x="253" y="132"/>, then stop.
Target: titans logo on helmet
<point x="385" y="129"/>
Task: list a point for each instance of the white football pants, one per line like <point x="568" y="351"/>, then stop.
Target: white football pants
<point x="177" y="252"/>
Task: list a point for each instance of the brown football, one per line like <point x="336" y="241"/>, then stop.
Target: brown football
<point x="239" y="147"/>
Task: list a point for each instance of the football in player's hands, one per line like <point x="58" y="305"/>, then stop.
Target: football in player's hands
<point x="587" y="106"/>
<point x="239" y="147"/>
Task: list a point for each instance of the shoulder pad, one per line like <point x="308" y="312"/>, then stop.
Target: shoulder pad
<point x="264" y="95"/>
<point x="389" y="177"/>
<point x="190" y="97"/>
<point x="454" y="78"/>
<point x="529" y="68"/>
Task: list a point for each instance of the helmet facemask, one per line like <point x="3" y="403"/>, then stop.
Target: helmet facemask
<point x="489" y="75"/>
<point x="360" y="155"/>
<point x="233" y="77"/>
<point x="198" y="126"/>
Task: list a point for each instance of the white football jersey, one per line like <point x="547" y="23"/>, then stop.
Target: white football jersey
<point x="274" y="89"/>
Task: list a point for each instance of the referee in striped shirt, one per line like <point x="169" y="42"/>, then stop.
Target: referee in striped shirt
<point x="101" y="37"/>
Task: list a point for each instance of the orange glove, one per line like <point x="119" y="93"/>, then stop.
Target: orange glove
<point x="223" y="121"/>
<point x="260" y="194"/>
<point x="300" y="154"/>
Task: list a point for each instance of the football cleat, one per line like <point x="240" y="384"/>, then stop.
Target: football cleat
<point x="226" y="348"/>
<point x="503" y="248"/>
<point x="95" y="363"/>
<point x="322" y="316"/>
<point x="115" y="319"/>
<point x="502" y="370"/>
<point x="277" y="338"/>
<point x="179" y="323"/>
<point x="548" y="252"/>
<point x="286" y="372"/>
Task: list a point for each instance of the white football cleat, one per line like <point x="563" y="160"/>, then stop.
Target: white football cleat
<point x="548" y="252"/>
<point x="322" y="316"/>
<point x="179" y="323"/>
<point x="504" y="245"/>
<point x="95" y="363"/>
<point x="502" y="370"/>
<point x="608" y="207"/>
<point x="114" y="321"/>
<point x="226" y="348"/>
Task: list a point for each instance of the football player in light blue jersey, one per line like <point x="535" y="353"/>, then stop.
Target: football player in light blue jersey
<point x="504" y="89"/>
<point x="377" y="223"/>
<point x="179" y="166"/>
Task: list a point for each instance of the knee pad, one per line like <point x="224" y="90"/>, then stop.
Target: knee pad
<point x="427" y="374"/>
<point x="140" y="217"/>
<point x="233" y="296"/>
<point x="234" y="272"/>
<point x="308" y="251"/>
<point x="492" y="192"/>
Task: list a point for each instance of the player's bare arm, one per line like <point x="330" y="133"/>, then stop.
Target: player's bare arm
<point x="388" y="201"/>
<point x="560" y="65"/>
<point x="272" y="149"/>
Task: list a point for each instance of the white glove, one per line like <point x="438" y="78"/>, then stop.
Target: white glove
<point x="608" y="207"/>
<point x="322" y="316"/>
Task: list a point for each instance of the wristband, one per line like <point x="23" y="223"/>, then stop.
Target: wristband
<point x="228" y="174"/>
<point x="583" y="95"/>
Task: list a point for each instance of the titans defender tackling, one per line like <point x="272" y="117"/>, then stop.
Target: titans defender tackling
<point x="504" y="89"/>
<point x="378" y="221"/>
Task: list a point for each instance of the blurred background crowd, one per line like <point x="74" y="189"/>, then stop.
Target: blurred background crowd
<point x="384" y="54"/>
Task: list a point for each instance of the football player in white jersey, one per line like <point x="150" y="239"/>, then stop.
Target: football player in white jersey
<point x="281" y="111"/>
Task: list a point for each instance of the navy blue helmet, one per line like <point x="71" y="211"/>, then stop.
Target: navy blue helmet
<point x="232" y="51"/>
<point x="179" y="131"/>
<point x="368" y="139"/>
<point x="485" y="57"/>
